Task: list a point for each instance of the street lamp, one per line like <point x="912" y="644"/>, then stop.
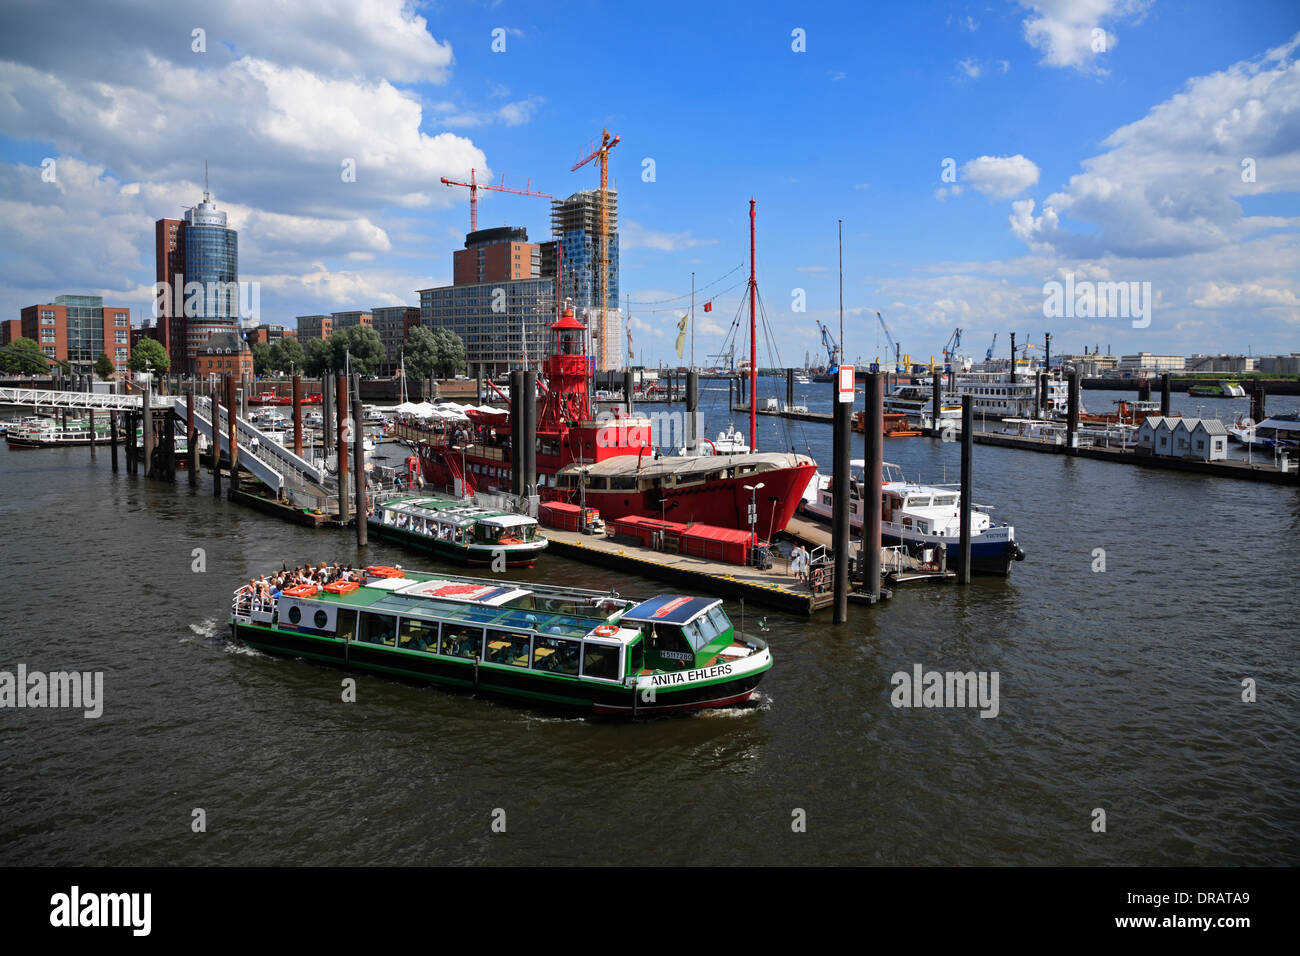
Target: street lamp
<point x="753" y="510"/>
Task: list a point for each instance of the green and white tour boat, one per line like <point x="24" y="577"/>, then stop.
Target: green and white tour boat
<point x="459" y="529"/>
<point x="589" y="651"/>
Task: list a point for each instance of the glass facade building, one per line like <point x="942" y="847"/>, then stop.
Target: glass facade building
<point x="495" y="340"/>
<point x="85" y="318"/>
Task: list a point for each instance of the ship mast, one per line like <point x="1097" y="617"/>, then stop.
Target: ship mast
<point x="753" y="341"/>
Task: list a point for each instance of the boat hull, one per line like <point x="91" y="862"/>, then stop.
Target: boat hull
<point x="736" y="685"/>
<point x="516" y="556"/>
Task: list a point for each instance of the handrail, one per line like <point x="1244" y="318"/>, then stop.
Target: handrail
<point x="93" y="401"/>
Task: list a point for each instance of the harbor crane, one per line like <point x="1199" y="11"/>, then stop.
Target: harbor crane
<point x="832" y="349"/>
<point x="474" y="186"/>
<point x="602" y="239"/>
<point x="950" y="349"/>
<point x="889" y="337"/>
<point x="988" y="356"/>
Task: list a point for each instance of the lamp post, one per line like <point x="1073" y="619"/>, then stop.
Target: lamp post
<point x="753" y="511"/>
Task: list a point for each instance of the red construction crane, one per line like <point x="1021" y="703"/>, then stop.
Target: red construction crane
<point x="474" y="186"/>
<point x="602" y="244"/>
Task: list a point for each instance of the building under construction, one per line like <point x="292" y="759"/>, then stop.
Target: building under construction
<point x="575" y="226"/>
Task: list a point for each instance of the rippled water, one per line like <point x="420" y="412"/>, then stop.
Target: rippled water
<point x="1119" y="690"/>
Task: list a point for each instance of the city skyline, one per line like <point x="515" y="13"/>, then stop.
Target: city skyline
<point x="975" y="154"/>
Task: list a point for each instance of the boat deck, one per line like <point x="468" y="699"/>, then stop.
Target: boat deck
<point x="776" y="588"/>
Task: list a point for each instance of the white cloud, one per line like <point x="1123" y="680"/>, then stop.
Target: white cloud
<point x="1000" y="176"/>
<point x="1169" y="182"/>
<point x="1070" y="33"/>
<point x="970" y="67"/>
<point x="632" y="235"/>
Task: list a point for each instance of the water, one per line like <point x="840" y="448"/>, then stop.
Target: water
<point x="1118" y="690"/>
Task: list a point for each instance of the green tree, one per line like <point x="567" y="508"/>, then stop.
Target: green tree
<point x="357" y="347"/>
<point x="421" y="352"/>
<point x="104" y="366"/>
<point x="23" y="356"/>
<point x="316" y="357"/>
<point x="148" y="355"/>
<point x="451" y="353"/>
<point x="287" y="355"/>
<point x="261" y="358"/>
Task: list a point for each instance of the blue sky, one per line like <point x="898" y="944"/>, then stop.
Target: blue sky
<point x="1118" y="165"/>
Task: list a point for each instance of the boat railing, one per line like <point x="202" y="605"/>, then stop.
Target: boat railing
<point x="893" y="558"/>
<point x="246" y="606"/>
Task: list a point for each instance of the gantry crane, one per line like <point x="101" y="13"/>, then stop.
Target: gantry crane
<point x="602" y="242"/>
<point x="988" y="356"/>
<point x="832" y="349"/>
<point x="474" y="186"/>
<point x="950" y="349"/>
<point x="889" y="337"/>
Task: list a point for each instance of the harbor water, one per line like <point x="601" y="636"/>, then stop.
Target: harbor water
<point x="1120" y="646"/>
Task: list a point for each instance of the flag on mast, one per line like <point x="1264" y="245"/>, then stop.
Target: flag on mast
<point x="681" y="334"/>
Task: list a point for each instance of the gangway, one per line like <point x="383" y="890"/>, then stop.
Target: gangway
<point x="81" y="401"/>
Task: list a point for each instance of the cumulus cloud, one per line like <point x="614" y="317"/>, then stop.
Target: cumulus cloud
<point x="970" y="67"/>
<point x="1000" y="176"/>
<point x="1169" y="183"/>
<point x="1070" y="33"/>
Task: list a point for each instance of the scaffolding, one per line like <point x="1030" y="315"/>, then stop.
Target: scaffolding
<point x="575" y="225"/>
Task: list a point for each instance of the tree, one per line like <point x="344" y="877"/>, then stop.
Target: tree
<point x="421" y="352"/>
<point x="287" y="355"/>
<point x="104" y="366"/>
<point x="149" y="355"/>
<point x="261" y="358"/>
<point x="357" y="347"/>
<point x="316" y="357"/>
<point x="451" y="353"/>
<point x="23" y="356"/>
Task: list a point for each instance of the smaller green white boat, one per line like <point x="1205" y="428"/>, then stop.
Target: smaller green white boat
<point x="458" y="529"/>
<point x="1217" y="390"/>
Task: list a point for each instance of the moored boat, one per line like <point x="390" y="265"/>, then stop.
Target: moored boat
<point x="922" y="516"/>
<point x="459" y="529"/>
<point x="593" y="652"/>
<point x="1217" y="390"/>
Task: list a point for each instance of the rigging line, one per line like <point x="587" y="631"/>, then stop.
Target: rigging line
<point x="698" y="289"/>
<point x="713" y="298"/>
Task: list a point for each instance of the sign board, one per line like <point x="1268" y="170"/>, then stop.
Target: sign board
<point x="845" y="383"/>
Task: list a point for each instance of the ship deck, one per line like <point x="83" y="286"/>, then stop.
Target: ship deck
<point x="776" y="588"/>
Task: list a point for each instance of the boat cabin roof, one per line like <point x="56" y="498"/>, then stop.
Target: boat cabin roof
<point x="454" y="512"/>
<point x="670" y="609"/>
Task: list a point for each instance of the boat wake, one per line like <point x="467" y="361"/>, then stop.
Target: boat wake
<point x="208" y="629"/>
<point x="758" y="703"/>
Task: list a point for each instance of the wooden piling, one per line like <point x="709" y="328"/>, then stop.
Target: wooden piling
<point x="146" y="419"/>
<point x="297" y="415"/>
<point x="1165" y="394"/>
<point x="873" y="455"/>
<point x="191" y="437"/>
<point x="967" y="446"/>
<point x="216" y="442"/>
<point x="341" y="395"/>
<point x="842" y="436"/>
<point x="527" y="404"/>
<point x="359" y="456"/>
<point x="91" y="415"/>
<point x="232" y="417"/>
<point x="112" y="438"/>
<point x="1072" y="415"/>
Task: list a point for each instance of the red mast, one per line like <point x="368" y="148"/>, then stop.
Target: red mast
<point x="753" y="341"/>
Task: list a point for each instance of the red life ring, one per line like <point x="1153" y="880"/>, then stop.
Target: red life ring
<point x="606" y="630"/>
<point x="818" y="578"/>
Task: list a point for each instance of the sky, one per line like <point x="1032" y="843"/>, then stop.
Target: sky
<point x="975" y="152"/>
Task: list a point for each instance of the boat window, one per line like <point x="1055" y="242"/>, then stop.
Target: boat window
<point x="459" y="640"/>
<point x="555" y="655"/>
<point x="600" y="661"/>
<point x="622" y="483"/>
<point x="346" y="628"/>
<point x="718" y="618"/>
<point x="945" y="500"/>
<point x="699" y="632"/>
<point x="295" y="612"/>
<point x="636" y="657"/>
<point x="507" y="647"/>
<point x="669" y="638"/>
<point x="378" y="628"/>
<point x="417" y="635"/>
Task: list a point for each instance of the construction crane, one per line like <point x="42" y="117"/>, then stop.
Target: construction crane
<point x="474" y="186"/>
<point x="832" y="349"/>
<point x="950" y="349"/>
<point x="602" y="242"/>
<point x="988" y="356"/>
<point x="889" y="337"/>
